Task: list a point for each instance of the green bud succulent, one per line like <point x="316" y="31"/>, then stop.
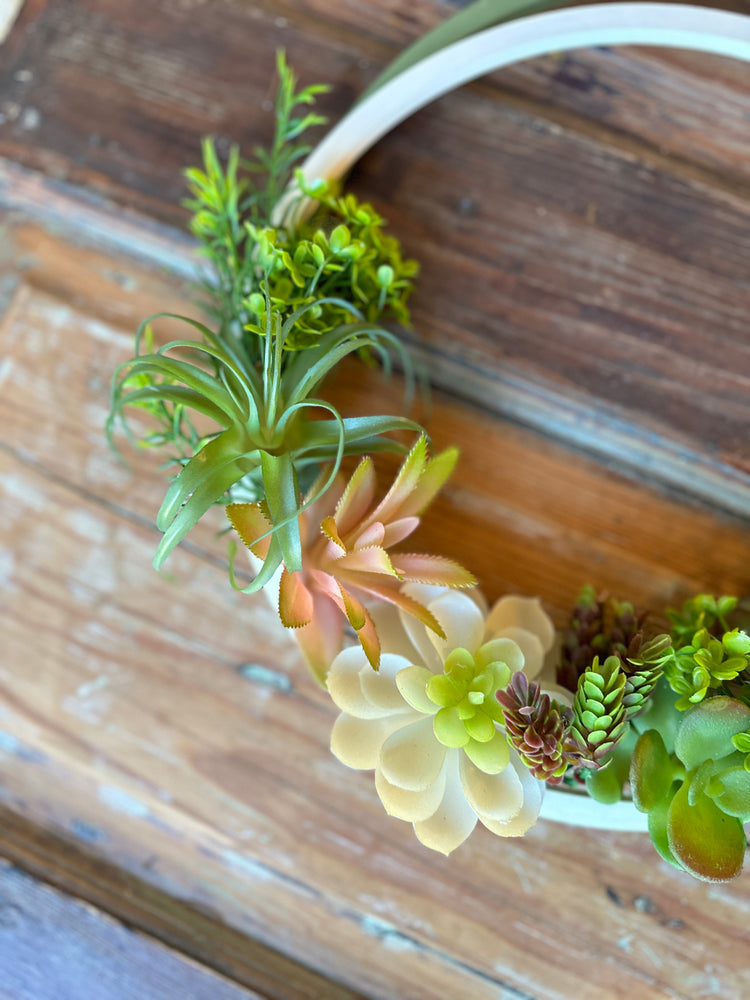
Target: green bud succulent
<point x="600" y="716"/>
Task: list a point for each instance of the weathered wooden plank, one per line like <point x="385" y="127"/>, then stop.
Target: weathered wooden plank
<point x="53" y="947"/>
<point x="690" y="108"/>
<point x="221" y="790"/>
<point x="587" y="255"/>
<point x="71" y="868"/>
<point x="173" y="731"/>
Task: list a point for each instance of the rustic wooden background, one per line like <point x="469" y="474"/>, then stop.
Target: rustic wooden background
<point x="582" y="221"/>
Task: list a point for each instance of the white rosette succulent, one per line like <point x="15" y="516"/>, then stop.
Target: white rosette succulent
<point x="428" y="722"/>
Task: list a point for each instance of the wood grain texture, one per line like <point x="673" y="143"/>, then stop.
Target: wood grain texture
<point x="67" y="864"/>
<point x="584" y="244"/>
<point x="56" y="948"/>
<point x="166" y="723"/>
<point x="163" y="754"/>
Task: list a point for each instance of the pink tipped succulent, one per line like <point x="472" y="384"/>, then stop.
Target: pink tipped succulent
<point x="346" y="557"/>
<point x="538" y="729"/>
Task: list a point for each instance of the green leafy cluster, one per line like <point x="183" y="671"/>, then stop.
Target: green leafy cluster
<point x="690" y="768"/>
<point x="224" y="200"/>
<point x="316" y="268"/>
<point x="600" y="717"/>
<point x="704" y="611"/>
<point x="465" y="696"/>
<point x="706" y="664"/>
<point x="322" y="267"/>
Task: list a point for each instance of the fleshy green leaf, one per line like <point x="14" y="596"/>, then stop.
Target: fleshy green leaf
<point x="707" y="730"/>
<point x="450" y="729"/>
<point x="492" y="756"/>
<point x="705" y="841"/>
<point x="651" y="771"/>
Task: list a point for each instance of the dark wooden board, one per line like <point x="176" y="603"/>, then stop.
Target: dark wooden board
<point x="53" y="947"/>
<point x="583" y="221"/>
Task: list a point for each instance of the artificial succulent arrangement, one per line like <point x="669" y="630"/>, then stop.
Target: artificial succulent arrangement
<point x="465" y="713"/>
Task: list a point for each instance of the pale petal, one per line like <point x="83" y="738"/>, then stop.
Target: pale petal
<point x="397" y="531"/>
<point x="393" y="637"/>
<point x="358" y="742"/>
<point x="453" y="820"/>
<point x="531" y="647"/>
<point x="528" y="814"/>
<point x="424" y="592"/>
<point x="412" y="683"/>
<point x="373" y="535"/>
<point x="503" y="650"/>
<point x="412" y="758"/>
<point x="408" y="805"/>
<point x="461" y="620"/>
<point x="524" y="612"/>
<point x="560" y="694"/>
<point x="426" y="654"/>
<point x="552" y="660"/>
<point x="490" y="757"/>
<point x="344" y="685"/>
<point x="380" y="687"/>
<point x="492" y="796"/>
